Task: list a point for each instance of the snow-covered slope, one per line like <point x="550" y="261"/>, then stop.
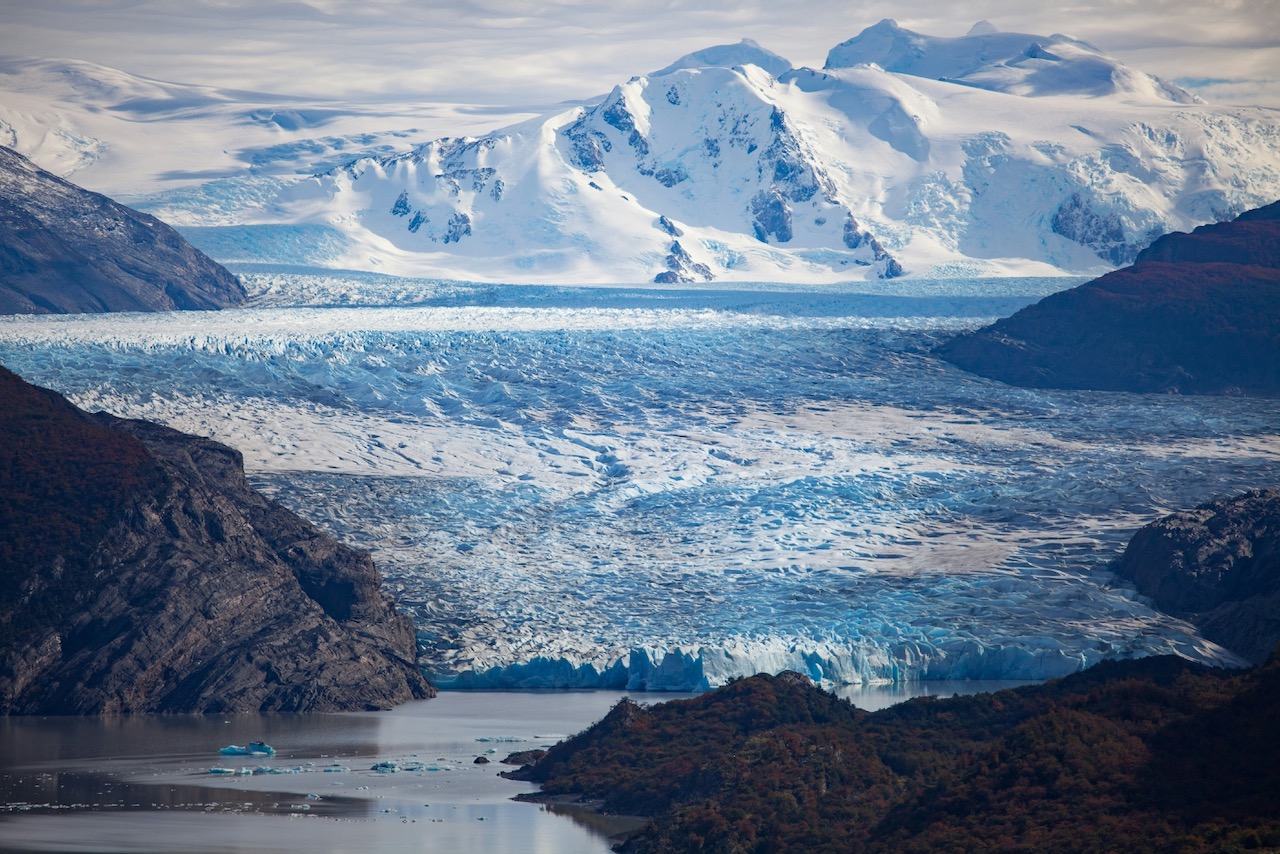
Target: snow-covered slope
<point x="993" y="153"/>
<point x="188" y="152"/>
<point x="988" y="154"/>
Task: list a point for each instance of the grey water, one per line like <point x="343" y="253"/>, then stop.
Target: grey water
<point x="143" y="783"/>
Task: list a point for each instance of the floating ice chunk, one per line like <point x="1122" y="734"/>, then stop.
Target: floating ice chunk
<point x="502" y="739"/>
<point x="255" y="748"/>
<point x="385" y="767"/>
<point x="222" y="770"/>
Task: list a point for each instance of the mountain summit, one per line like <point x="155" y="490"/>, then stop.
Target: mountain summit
<point x="1013" y="63"/>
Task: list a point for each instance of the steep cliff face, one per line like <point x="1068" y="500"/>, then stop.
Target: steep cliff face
<point x="1197" y="313"/>
<point x="64" y="249"/>
<point x="142" y="573"/>
<point x="1217" y="565"/>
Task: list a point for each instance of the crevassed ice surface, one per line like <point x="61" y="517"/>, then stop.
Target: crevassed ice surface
<point x="662" y="489"/>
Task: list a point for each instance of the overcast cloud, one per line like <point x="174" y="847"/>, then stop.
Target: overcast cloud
<point x="510" y="52"/>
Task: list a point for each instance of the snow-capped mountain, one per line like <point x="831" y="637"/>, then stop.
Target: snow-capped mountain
<point x="989" y="153"/>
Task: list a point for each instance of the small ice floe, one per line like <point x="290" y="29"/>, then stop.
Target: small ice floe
<point x="385" y="767"/>
<point x="335" y="768"/>
<point x="267" y="769"/>
<point x="255" y="748"/>
<point x="413" y="766"/>
<point x="222" y="770"/>
<point x="504" y="739"/>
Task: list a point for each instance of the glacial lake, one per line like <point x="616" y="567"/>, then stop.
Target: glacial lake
<point x="143" y="784"/>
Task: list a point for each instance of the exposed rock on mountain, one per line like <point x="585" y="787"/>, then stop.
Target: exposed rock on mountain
<point x="1197" y="313"/>
<point x="1217" y="566"/>
<point x="64" y="249"/>
<point x="139" y="572"/>
<point x="1153" y="754"/>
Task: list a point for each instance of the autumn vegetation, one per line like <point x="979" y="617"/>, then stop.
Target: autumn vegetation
<point x="1149" y="755"/>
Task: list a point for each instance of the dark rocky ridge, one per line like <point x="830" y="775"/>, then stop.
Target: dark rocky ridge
<point x="64" y="249"/>
<point x="1155" y="754"/>
<point x="139" y="572"/>
<point x="1196" y="313"/>
<point x="1217" y="566"/>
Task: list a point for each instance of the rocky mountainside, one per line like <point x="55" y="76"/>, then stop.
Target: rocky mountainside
<point x="64" y="249"/>
<point x="1196" y="313"/>
<point x="1152" y="754"/>
<point x="1217" y="566"/>
<point x="139" y="572"/>
<point x="991" y="153"/>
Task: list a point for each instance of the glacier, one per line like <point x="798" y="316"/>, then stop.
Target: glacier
<point x="663" y="487"/>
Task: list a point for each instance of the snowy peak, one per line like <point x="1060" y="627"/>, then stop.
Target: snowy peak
<point x="712" y="148"/>
<point x="1012" y="63"/>
<point x="745" y="52"/>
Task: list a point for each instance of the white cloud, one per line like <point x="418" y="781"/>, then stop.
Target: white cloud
<point x="511" y="51"/>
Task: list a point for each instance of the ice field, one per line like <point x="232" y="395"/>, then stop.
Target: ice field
<point x="662" y="489"/>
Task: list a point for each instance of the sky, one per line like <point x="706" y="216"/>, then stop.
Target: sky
<point x="506" y="52"/>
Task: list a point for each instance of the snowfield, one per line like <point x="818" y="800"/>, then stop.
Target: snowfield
<point x="663" y="488"/>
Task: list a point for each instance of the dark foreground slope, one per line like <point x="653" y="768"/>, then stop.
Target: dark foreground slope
<point x="139" y="572"/>
<point x="1148" y="755"/>
<point x="64" y="249"/>
<point x="1196" y="313"/>
<point x="1218" y="566"/>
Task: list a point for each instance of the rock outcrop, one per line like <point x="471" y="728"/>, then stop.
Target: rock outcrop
<point x="1217" y="566"/>
<point x="64" y="249"/>
<point x="1197" y="313"/>
<point x="139" y="572"/>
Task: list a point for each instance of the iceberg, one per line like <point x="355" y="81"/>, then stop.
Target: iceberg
<point x="255" y="748"/>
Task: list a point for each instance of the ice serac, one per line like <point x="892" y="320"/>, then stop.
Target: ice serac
<point x="141" y="573"/>
<point x="1195" y="314"/>
<point x="1217" y="565"/>
<point x="64" y="249"/>
<point x="831" y="663"/>
<point x="987" y="154"/>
